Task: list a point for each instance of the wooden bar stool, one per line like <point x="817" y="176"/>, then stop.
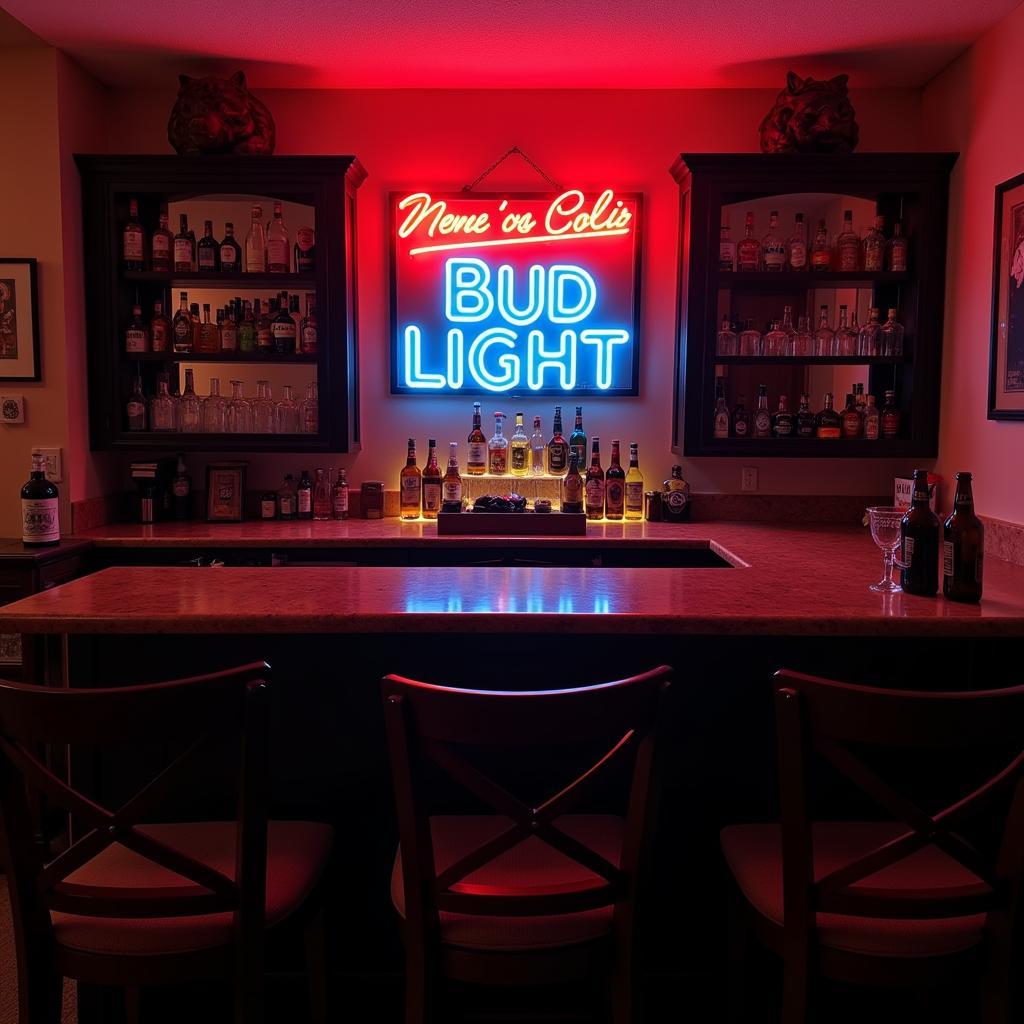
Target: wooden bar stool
<point x="131" y="904"/>
<point x="532" y="893"/>
<point x="911" y="901"/>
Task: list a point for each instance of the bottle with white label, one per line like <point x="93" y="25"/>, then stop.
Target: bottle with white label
<point x="339" y="496"/>
<point x="256" y="244"/>
<point x="278" y="249"/>
<point x="133" y="239"/>
<point x="40" y="516"/>
<point x="476" y="459"/>
<point x="136" y="337"/>
<point x="497" y="449"/>
<point x="431" y="482"/>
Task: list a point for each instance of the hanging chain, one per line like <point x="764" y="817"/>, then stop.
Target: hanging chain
<point x="515" y="150"/>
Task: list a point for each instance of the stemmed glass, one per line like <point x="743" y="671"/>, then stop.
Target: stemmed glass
<point x="885" y="532"/>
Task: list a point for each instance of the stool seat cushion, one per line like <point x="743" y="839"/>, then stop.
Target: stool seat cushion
<point x="754" y="855"/>
<point x="530" y="864"/>
<point x="297" y="852"/>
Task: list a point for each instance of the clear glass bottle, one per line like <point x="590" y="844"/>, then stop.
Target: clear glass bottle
<point x="264" y="412"/>
<point x="136" y="407"/>
<point x="750" y="340"/>
<point x="410" y="485"/>
<point x="476" y="459"/>
<point x="824" y="336"/>
<point x="740" y="421"/>
<point x="238" y="417"/>
<point x="847" y="246"/>
<point x="538" y="449"/>
<point x="728" y="343"/>
<point x="635" y="485"/>
<point x="869" y="340"/>
<point x="497" y="448"/>
<point x="846" y="336"/>
<point x="873" y="245"/>
<point x="287" y="412"/>
<point x="773" y="247"/>
<point x="726" y="250"/>
<point x="803" y="340"/>
<point x="339" y="496"/>
<point x="287" y="498"/>
<point x="189" y="406"/>
<point x="748" y="252"/>
<point x="309" y="410"/>
<point x="762" y="422"/>
<point x="519" y="449"/>
<point x="208" y="251"/>
<point x="721" y="428"/>
<point x="892" y="335"/>
<point x="134" y="239"/>
<point x="432" y="487"/>
<point x="213" y="417"/>
<point x="451" y="485"/>
<point x="796" y="247"/>
<point x="321" y="497"/>
<point x="776" y="341"/>
<point x="821" y="250"/>
<point x="256" y="244"/>
<point x="278" y="244"/>
<point x="896" y="249"/>
<point x="162" y="410"/>
<point x="872" y="420"/>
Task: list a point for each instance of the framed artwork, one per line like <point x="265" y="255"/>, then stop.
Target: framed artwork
<point x="19" y="320"/>
<point x="225" y="492"/>
<point x="1006" y="362"/>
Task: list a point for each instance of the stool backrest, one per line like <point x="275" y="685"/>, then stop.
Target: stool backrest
<point x="435" y="727"/>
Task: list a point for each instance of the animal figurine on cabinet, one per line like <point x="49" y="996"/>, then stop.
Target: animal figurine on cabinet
<point x="219" y="115"/>
<point x="811" y="116"/>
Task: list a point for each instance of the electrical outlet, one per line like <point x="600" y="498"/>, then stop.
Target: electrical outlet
<point x="748" y="478"/>
<point x="54" y="472"/>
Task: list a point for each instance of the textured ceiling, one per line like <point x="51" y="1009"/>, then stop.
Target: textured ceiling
<point x="513" y="43"/>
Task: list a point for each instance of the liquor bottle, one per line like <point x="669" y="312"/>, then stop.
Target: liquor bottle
<point x="497" y="449"/>
<point x="519" y="449"/>
<point x="476" y="457"/>
<point x="846" y="336"/>
<point x="308" y="335"/>
<point x="181" y="489"/>
<point x="197" y="325"/>
<point x="634" y="486"/>
<point x="787" y="324"/>
<point x="159" y="329"/>
<point x="189" y="406"/>
<point x="748" y="252"/>
<point x="896" y="249"/>
<point x="162" y="414"/>
<point x="309" y="410"/>
<point x="750" y="340"/>
<point x="805" y="425"/>
<point x="304" y="496"/>
<point x="773" y="248"/>
<point x="728" y="342"/>
<point x="783" y="423"/>
<point x="264" y="414"/>
<point x="890" y="416"/>
<point x="824" y="336"/>
<point x="869" y="341"/>
<point x="339" y="496"/>
<point x="538" y="449"/>
<point x="410" y="485"/>
<point x="891" y="342"/>
<point x="451" y="485"/>
<point x="828" y="423"/>
<point x="296" y="314"/>
<point x="136" y="336"/>
<point x="675" y="502"/>
<point x="268" y="505"/>
<point x="230" y="251"/>
<point x="572" y="487"/>
<point x="762" y="417"/>
<point x="874" y="245"/>
<point x="919" y="535"/>
<point x="594" y="485"/>
<point x="803" y="340"/>
<point x="256" y="244"/>
<point x="247" y="329"/>
<point x="264" y="329"/>
<point x="278" y="245"/>
<point x="740" y="419"/>
<point x="209" y="336"/>
<point x="133" y="239"/>
<point x="282" y="330"/>
<point x="821" y="250"/>
<point x="431" y="483"/>
<point x="558" y="448"/>
<point x="287" y="498"/>
<point x="228" y="330"/>
<point x="208" y="251"/>
<point x="852" y="424"/>
<point x="776" y="341"/>
<point x="796" y="247"/>
<point x="721" y="410"/>
<point x="184" y="247"/>
<point x="136" y="407"/>
<point x="726" y="250"/>
<point x="847" y="246"/>
<point x="286" y="413"/>
<point x="305" y="250"/>
<point x="213" y="416"/>
<point x="615" y="486"/>
<point x="858" y="398"/>
<point x="40" y="512"/>
<point x="238" y="412"/>
<point x="578" y="439"/>
<point x="321" y="497"/>
<point x="963" y="547"/>
<point x="161" y="247"/>
<point x="872" y="420"/>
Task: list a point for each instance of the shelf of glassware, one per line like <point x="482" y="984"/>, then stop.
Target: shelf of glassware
<point x="792" y="280"/>
<point x="230" y="358"/>
<point x="225" y="282"/>
<point x="150" y="440"/>
<point x="812" y="447"/>
<point x="810" y="360"/>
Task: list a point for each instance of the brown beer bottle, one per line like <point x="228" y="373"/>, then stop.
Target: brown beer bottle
<point x="963" y="546"/>
<point x="919" y="533"/>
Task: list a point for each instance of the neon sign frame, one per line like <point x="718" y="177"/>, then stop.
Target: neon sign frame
<point x="551" y="345"/>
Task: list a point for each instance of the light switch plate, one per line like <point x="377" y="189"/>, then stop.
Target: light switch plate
<point x="54" y="471"/>
<point x="12" y="409"/>
<point x="748" y="478"/>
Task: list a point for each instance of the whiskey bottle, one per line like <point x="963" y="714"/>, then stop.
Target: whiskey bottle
<point x="821" y="250"/>
<point x="431" y="483"/>
<point x="615" y="486"/>
<point x="782" y="420"/>
<point x="773" y="248"/>
<point x="228" y="330"/>
<point x="852" y="423"/>
<point x="181" y="489"/>
<point x="197" y="325"/>
<point x="209" y="336"/>
<point x="184" y="248"/>
<point x="189" y="406"/>
<point x="304" y="497"/>
<point x="721" y="411"/>
<point x="136" y="407"/>
<point x="410" y="485"/>
<point x="519" y="449"/>
<point x="726" y="250"/>
<point x="133" y="239"/>
<point x="339" y="496"/>
<point x="874" y="245"/>
<point x="740" y="419"/>
<point x="208" y="251"/>
<point x="796" y="247"/>
<point x="497" y="449"/>
<point x="451" y="485"/>
<point x="847" y="246"/>
<point x="136" y="337"/>
<point x="896" y="249"/>
<point x="558" y="448"/>
<point x="282" y="329"/>
<point x="305" y="251"/>
<point x="40" y="512"/>
<point x="572" y="487"/>
<point x="256" y="244"/>
<point x="230" y="252"/>
<point x="805" y="425"/>
<point x="181" y="326"/>
<point x="890" y="416"/>
<point x="308" y="333"/>
<point x="278" y="246"/>
<point x="872" y="420"/>
<point x="247" y="329"/>
<point x="635" y="486"/>
<point x="676" y="498"/>
<point x="594" y="485"/>
<point x="296" y="314"/>
<point x="264" y="330"/>
<point x="287" y="498"/>
<point x="728" y="342"/>
<point x="159" y="329"/>
<point x="824" y="336"/>
<point x="161" y="247"/>
<point x="476" y="457"/>
<point x="762" y="417"/>
<point x="891" y="332"/>
<point x="828" y="423"/>
<point x="322" y="497"/>
<point x="963" y="547"/>
<point x="748" y="252"/>
<point x="538" y="449"/>
<point x="919" y="535"/>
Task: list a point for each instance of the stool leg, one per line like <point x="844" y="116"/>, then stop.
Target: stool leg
<point x="316" y="967"/>
<point x="739" y="948"/>
<point x="40" y="992"/>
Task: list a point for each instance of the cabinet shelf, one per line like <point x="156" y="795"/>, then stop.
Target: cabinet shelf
<point x="227" y="282"/>
<point x="813" y="447"/>
<point x="214" y="357"/>
<point x="809" y="360"/>
<point x="784" y="281"/>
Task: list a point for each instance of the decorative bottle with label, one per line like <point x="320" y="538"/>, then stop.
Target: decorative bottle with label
<point x="497" y="448"/>
<point x="874" y="245"/>
<point x="339" y="496"/>
<point x="748" y="252"/>
<point x="161" y="247"/>
<point x="852" y="423"/>
<point x="181" y="326"/>
<point x="824" y="336"/>
<point x="431" y="483"/>
<point x="538" y="449"/>
<point x="821" y="250"/>
<point x="919" y="536"/>
<point x="963" y="547"/>
<point x="726" y="250"/>
<point x="208" y="251"/>
<point x="410" y="485"/>
<point x="572" y="487"/>
<point x="847" y="246"/>
<point x="594" y="486"/>
<point x="675" y="501"/>
<point x="162" y="411"/>
<point x="615" y="486"/>
<point x="189" y="406"/>
<point x="308" y="345"/>
<point x="256" y="244"/>
<point x="558" y="448"/>
<point x="634" y="486"/>
<point x="869" y="339"/>
<point x="159" y="329"/>
<point x="322" y="497"/>
<point x="134" y="241"/>
<point x="305" y="250"/>
<point x="740" y="418"/>
<point x="184" y="247"/>
<point x="890" y="416"/>
<point x="227" y="328"/>
<point x="578" y="439"/>
<point x="209" y="336"/>
<point x="247" y="329"/>
<point x="721" y="410"/>
<point x="40" y="514"/>
<point x="181" y="488"/>
<point x="278" y="244"/>
<point x="136" y="336"/>
<point x="782" y="421"/>
<point x="762" y="417"/>
<point x="304" y="496"/>
<point x="287" y="498"/>
<point x="805" y="426"/>
<point x="136" y="408"/>
<point x="451" y="485"/>
<point x="230" y="251"/>
<point x="891" y="343"/>
<point x="773" y="247"/>
<point x="264" y="325"/>
<point x="796" y="248"/>
<point x="519" y="449"/>
<point x="282" y="329"/>
<point x="476" y="457"/>
<point x="896" y="249"/>
<point x="872" y="420"/>
<point x="828" y="423"/>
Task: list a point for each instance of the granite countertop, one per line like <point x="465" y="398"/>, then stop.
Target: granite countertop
<point x="783" y="580"/>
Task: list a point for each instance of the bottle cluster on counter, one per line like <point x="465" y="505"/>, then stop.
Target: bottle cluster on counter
<point x="317" y="498"/>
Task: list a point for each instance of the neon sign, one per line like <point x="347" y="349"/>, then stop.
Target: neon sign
<point x="518" y="293"/>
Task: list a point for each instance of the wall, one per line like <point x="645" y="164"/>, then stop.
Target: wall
<point x="589" y="138"/>
<point x="974" y="107"/>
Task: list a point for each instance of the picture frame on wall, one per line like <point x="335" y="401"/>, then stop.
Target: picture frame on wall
<point x="225" y="492"/>
<point x="19" y="320"/>
<point x="1006" y="361"/>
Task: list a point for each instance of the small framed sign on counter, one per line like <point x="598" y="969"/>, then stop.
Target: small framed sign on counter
<point x="225" y="492"/>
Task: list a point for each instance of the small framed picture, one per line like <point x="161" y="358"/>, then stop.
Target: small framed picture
<point x="19" y="321"/>
<point x="225" y="492"/>
<point x="1006" y="361"/>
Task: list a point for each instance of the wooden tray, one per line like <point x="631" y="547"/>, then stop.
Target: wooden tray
<point x="517" y="524"/>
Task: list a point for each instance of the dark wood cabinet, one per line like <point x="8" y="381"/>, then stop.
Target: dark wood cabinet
<point x="318" y="192"/>
<point x="719" y="189"/>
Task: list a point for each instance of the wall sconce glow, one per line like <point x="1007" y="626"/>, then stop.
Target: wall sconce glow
<point x="515" y="293"/>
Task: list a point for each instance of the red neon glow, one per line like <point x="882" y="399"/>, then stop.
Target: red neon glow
<point x="517" y="241"/>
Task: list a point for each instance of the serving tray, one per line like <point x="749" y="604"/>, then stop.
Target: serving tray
<point x="515" y="524"/>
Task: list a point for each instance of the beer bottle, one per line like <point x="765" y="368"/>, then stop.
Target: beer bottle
<point x="919" y="533"/>
<point x="963" y="546"/>
<point x="572" y="486"/>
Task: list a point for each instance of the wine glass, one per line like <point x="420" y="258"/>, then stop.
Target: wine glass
<point x="885" y="532"/>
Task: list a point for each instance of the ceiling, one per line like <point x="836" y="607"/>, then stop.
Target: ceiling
<point x="513" y="43"/>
